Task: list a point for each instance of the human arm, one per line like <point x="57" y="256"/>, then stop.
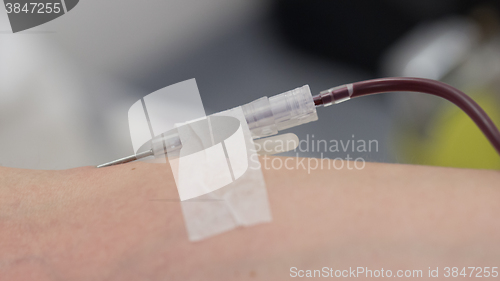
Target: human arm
<point x="125" y="223"/>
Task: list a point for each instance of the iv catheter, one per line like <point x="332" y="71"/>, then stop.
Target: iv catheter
<point x="267" y="116"/>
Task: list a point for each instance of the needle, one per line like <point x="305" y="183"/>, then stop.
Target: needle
<point x="128" y="159"/>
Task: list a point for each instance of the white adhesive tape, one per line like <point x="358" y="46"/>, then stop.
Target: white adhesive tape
<point x="217" y="170"/>
<point x="219" y="185"/>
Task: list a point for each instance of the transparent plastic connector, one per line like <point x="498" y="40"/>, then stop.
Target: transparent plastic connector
<point x="260" y="118"/>
<point x="266" y="116"/>
<point x="166" y="143"/>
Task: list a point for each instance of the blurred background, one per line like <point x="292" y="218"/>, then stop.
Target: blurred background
<point x="66" y="86"/>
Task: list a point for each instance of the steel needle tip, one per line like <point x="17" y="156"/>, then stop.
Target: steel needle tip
<point x="127" y="159"/>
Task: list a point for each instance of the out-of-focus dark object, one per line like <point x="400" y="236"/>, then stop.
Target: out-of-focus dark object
<point x="358" y="31"/>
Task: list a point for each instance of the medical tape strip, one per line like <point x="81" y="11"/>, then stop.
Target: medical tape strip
<point x="218" y="176"/>
<point x="217" y="170"/>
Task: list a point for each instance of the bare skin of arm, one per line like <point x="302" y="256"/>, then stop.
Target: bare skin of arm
<point x="109" y="224"/>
